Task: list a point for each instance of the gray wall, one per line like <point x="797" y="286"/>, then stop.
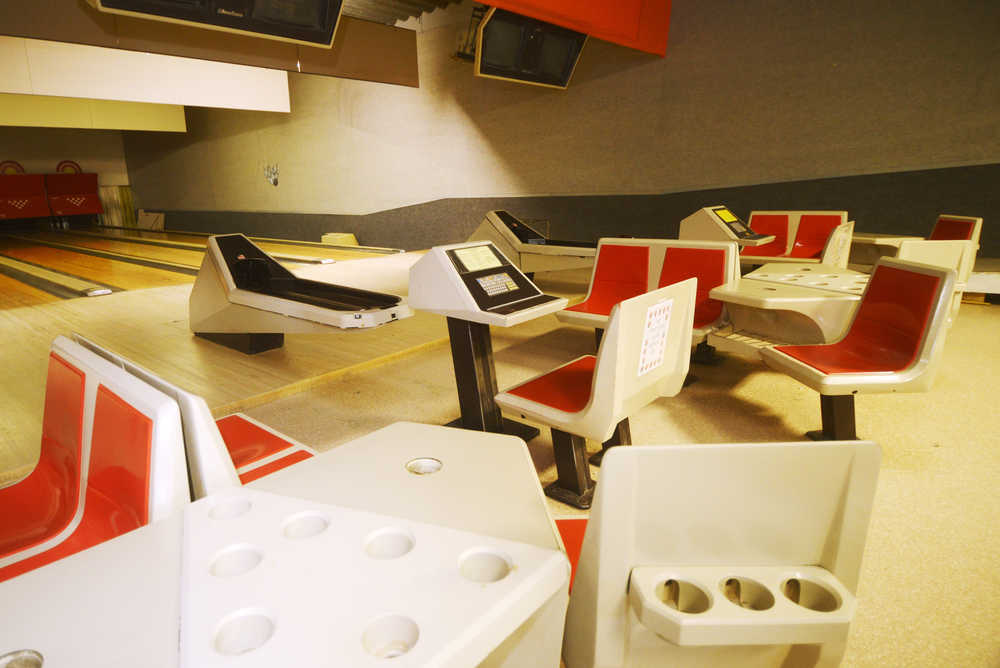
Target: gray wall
<point x="750" y="93"/>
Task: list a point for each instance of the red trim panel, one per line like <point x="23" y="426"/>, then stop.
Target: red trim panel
<point x="572" y="530"/>
<point x="776" y="224"/>
<point x="950" y="229"/>
<point x="276" y="465"/>
<point x="620" y="273"/>
<point x="248" y="442"/>
<point x="708" y="265"/>
<point x="120" y="454"/>
<point x="814" y="230"/>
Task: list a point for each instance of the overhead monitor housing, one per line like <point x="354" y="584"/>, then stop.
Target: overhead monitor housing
<point x="310" y="22"/>
<point x="518" y="48"/>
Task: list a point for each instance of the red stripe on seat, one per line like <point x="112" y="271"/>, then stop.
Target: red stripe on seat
<point x="814" y="230"/>
<point x="42" y="504"/>
<point x="620" y="273"/>
<point x="276" y="465"/>
<point x="708" y="265"/>
<point x="566" y="388"/>
<point x="950" y="229"/>
<point x="120" y="454"/>
<point x="885" y="336"/>
<point x="572" y="530"/>
<point x="248" y="442"/>
<point x="769" y="223"/>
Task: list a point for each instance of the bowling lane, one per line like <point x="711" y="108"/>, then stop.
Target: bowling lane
<point x="15" y="294"/>
<point x="117" y="273"/>
<point x="273" y="247"/>
<point x="190" y="258"/>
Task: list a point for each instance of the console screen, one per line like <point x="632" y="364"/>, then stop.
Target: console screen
<point x="477" y="257"/>
<point x="497" y="284"/>
<point x="726" y="215"/>
<point x="730" y="219"/>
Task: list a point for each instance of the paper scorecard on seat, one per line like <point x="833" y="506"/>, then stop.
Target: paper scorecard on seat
<point x="654" y="338"/>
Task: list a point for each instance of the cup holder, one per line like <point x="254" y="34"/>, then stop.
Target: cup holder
<point x="810" y="594"/>
<point x="22" y="658"/>
<point x="683" y="596"/>
<point x="747" y="593"/>
<point x="390" y="636"/>
<point x="243" y="632"/>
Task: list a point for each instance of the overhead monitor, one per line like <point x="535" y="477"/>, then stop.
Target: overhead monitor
<point x="519" y="48"/>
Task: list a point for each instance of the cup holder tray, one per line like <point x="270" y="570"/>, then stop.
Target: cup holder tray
<point x="743" y="605"/>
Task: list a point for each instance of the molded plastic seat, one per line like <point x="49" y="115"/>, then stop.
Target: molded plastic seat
<point x="644" y="355"/>
<point x="949" y="227"/>
<point x="621" y="271"/>
<point x="801" y="236"/>
<point x="670" y="261"/>
<point x="893" y="344"/>
<point x="92" y="484"/>
<point x="705" y="555"/>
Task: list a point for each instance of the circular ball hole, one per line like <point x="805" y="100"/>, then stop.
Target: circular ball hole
<point x="390" y="636"/>
<point x="747" y="593"/>
<point x="388" y="543"/>
<point x="482" y="565"/>
<point x="304" y="525"/>
<point x="227" y="509"/>
<point x="810" y="595"/>
<point x="423" y="465"/>
<point x="21" y="658"/>
<point x="235" y="560"/>
<point x="243" y="632"/>
<point x="683" y="596"/>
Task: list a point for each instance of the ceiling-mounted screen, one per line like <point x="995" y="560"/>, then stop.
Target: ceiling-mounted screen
<point x="312" y="22"/>
<point x="519" y="48"/>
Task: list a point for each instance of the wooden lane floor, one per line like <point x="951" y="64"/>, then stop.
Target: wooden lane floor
<point x="273" y="247"/>
<point x="16" y="294"/>
<point x="190" y="258"/>
<point x="116" y="273"/>
<point x="150" y="327"/>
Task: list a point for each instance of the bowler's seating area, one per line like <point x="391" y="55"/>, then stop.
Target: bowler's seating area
<point x="868" y="247"/>
<point x="23" y="196"/>
<point x="643" y="356"/>
<point x="221" y="454"/>
<point x="893" y="344"/>
<point x="801" y="236"/>
<point x="722" y="555"/>
<point x="111" y="460"/>
<point x="73" y="194"/>
<point x="628" y="267"/>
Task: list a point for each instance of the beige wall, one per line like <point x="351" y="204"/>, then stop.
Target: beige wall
<point x="755" y="92"/>
<point x="39" y="150"/>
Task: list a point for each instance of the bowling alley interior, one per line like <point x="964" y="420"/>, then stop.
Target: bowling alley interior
<point x="532" y="334"/>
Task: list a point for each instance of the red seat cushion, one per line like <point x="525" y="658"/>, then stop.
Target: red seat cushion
<point x="620" y="273"/>
<point x="886" y="333"/>
<point x="708" y="265"/>
<point x="44" y="503"/>
<point x="814" y="230"/>
<point x="769" y="223"/>
<point x="951" y="229"/>
<point x="566" y="388"/>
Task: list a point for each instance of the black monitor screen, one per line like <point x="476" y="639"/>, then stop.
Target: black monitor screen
<point x="519" y="47"/>
<point x="502" y="48"/>
<point x="306" y="13"/>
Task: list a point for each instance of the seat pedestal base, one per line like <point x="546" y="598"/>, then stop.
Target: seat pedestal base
<point x="249" y="343"/>
<point x="510" y="427"/>
<point x="574" y="485"/>
<point x="622" y="436"/>
<point x="838" y="419"/>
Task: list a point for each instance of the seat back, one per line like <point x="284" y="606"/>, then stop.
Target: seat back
<point x="901" y="313"/>
<point x="769" y="222"/>
<point x="129" y="470"/>
<point x="957" y="255"/>
<point x="712" y="263"/>
<point x="209" y="466"/>
<point x="726" y="505"/>
<point x="620" y="271"/>
<point x="950" y="227"/>
<point x="813" y="231"/>
<point x="645" y="351"/>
